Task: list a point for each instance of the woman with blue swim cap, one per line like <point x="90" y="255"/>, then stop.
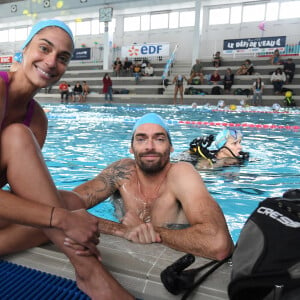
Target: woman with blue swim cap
<point x="33" y="211"/>
<point x="228" y="150"/>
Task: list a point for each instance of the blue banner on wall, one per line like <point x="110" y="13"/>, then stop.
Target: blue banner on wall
<point x="81" y="54"/>
<point x="254" y="43"/>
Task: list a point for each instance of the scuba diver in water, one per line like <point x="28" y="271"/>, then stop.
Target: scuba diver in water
<point x="228" y="150"/>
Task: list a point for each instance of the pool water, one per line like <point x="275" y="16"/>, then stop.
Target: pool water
<point x="84" y="139"/>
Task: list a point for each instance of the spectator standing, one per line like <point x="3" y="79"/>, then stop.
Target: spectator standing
<point x="276" y="58"/>
<point x="127" y="66"/>
<point x="217" y="59"/>
<point x="228" y="80"/>
<point x="289" y="69"/>
<point x="85" y="91"/>
<point x="278" y="78"/>
<point x="77" y="92"/>
<point x="64" y="92"/>
<point x="258" y="88"/>
<point x="107" y="87"/>
<point x="117" y="66"/>
<point x="178" y="82"/>
<point x="215" y="78"/>
<point x="196" y="71"/>
<point x="149" y="71"/>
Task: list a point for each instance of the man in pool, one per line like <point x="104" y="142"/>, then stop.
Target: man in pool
<point x="228" y="150"/>
<point x="156" y="193"/>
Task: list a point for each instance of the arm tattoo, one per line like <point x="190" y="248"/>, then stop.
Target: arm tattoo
<point x="110" y="179"/>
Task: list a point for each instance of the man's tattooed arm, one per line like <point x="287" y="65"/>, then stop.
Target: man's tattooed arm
<point x="106" y="182"/>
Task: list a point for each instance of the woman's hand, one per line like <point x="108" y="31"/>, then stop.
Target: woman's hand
<point x="80" y="227"/>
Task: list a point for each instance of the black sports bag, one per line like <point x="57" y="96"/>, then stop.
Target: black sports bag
<point x="266" y="261"/>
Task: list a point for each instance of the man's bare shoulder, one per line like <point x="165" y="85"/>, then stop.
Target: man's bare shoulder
<point x="183" y="166"/>
<point x="183" y="169"/>
<point x="118" y="171"/>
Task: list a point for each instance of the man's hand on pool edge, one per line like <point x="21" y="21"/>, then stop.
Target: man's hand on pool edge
<point x="143" y="233"/>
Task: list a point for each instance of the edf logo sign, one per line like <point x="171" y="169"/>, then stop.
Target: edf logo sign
<point x="151" y="49"/>
<point x="146" y="50"/>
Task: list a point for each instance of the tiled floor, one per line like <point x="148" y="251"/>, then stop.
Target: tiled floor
<point x="137" y="267"/>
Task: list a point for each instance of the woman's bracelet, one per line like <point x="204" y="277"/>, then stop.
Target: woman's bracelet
<point x="51" y="216"/>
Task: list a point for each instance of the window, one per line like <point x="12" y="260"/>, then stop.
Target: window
<point x="4" y="35"/>
<point x="11" y="35"/>
<point x="72" y="26"/>
<point x="145" y="22"/>
<point x="219" y="16"/>
<point x="272" y="11"/>
<point x="159" y="21"/>
<point x="132" y="24"/>
<point x="289" y="10"/>
<point x="236" y="15"/>
<point x="254" y="13"/>
<point x="83" y="28"/>
<point x="21" y="34"/>
<point x="187" y="18"/>
<point x="95" y="26"/>
<point x="173" y="20"/>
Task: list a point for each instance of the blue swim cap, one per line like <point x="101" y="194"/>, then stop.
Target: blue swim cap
<point x="18" y="57"/>
<point x="48" y="23"/>
<point x="223" y="136"/>
<point x="152" y="118"/>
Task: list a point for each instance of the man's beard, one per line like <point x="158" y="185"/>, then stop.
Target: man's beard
<point x="152" y="168"/>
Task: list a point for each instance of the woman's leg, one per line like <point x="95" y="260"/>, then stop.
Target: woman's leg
<point x="31" y="184"/>
<point x="175" y="94"/>
<point x="181" y="94"/>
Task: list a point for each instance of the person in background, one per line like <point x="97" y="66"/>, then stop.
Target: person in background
<point x="157" y="196"/>
<point x="275" y="59"/>
<point x="215" y="78"/>
<point x="85" y="91"/>
<point x="217" y="59"/>
<point x="178" y="83"/>
<point x="289" y="69"/>
<point x="117" y="66"/>
<point x="242" y="70"/>
<point x="228" y="150"/>
<point x="32" y="210"/>
<point x="257" y="88"/>
<point x="137" y="70"/>
<point x="249" y="66"/>
<point x="71" y="94"/>
<point x="149" y="71"/>
<point x="77" y="92"/>
<point x="127" y="66"/>
<point x="64" y="92"/>
<point x="196" y="71"/>
<point x="107" y="87"/>
<point x="278" y="79"/>
<point x="228" y="80"/>
<point x="48" y="89"/>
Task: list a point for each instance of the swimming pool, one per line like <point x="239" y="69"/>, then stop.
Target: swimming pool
<point x="84" y="139"/>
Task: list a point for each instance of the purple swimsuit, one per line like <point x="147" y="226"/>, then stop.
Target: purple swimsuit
<point x="31" y="104"/>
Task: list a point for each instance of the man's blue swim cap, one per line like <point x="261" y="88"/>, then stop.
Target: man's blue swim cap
<point x="223" y="136"/>
<point x="48" y="23"/>
<point x="152" y="118"/>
